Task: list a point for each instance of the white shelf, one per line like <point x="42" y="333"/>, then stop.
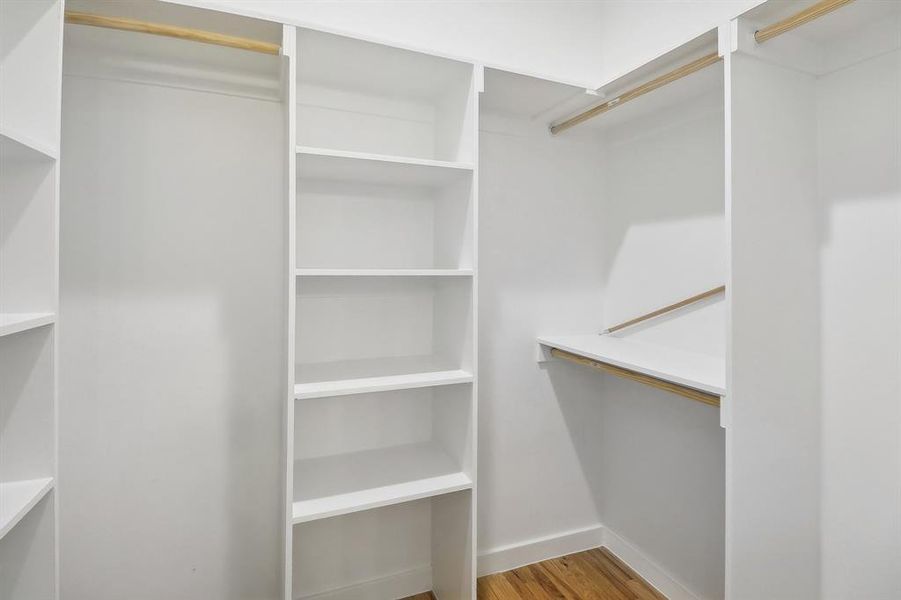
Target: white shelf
<point x="690" y="369"/>
<point x="363" y="167"/>
<point x="384" y="272"/>
<point x="364" y="385"/>
<point x="19" y="497"/>
<point x="11" y="323"/>
<point x="347" y="483"/>
<point x="15" y="143"/>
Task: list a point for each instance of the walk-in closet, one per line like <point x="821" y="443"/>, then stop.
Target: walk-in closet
<point x="450" y="301"/>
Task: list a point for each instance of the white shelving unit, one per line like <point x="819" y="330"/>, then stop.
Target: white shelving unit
<point x="30" y="83"/>
<point x="381" y="424"/>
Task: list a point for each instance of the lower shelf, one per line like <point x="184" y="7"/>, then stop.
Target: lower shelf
<point x="338" y="485"/>
<point x="11" y="323"/>
<point x="19" y="497"/>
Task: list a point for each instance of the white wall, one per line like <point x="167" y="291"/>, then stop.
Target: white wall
<point x="586" y="43"/>
<point x="537" y="445"/>
<point x="171" y="341"/>
<point x="859" y="151"/>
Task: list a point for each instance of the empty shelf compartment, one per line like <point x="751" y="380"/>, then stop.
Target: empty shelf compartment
<point x="346" y="483"/>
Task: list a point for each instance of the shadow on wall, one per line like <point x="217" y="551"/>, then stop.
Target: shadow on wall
<point x="665" y="229"/>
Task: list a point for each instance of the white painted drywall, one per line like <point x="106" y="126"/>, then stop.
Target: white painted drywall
<point x="588" y="43"/>
<point x="172" y="297"/>
<point x="537" y="444"/>
<point x="859" y="128"/>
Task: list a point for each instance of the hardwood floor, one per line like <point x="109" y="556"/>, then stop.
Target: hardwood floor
<point x="591" y="575"/>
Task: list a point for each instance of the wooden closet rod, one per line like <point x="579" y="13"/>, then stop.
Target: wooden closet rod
<point x="666" y="309"/>
<point x="675" y="388"/>
<point x="676" y="74"/>
<point x="800" y="18"/>
<point x="184" y="33"/>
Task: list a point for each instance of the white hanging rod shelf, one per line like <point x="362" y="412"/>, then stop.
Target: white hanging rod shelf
<point x="641" y="90"/>
<point x="666" y="309"/>
<point x="810" y="13"/>
<point x="184" y="33"/>
<point x="700" y="377"/>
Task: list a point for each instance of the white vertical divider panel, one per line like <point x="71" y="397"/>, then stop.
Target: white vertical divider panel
<point x="773" y="435"/>
<point x="454" y="548"/>
<point x="289" y="95"/>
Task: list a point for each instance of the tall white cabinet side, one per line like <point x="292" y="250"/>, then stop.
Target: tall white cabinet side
<point x="30" y="93"/>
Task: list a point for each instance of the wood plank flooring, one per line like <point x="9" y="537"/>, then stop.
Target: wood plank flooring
<point x="591" y="575"/>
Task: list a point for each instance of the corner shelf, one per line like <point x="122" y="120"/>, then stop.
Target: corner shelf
<point x="689" y="369"/>
<point x="305" y="272"/>
<point x="362" y="167"/>
<point x="11" y="323"/>
<point x="19" y="497"/>
<point x="348" y="483"/>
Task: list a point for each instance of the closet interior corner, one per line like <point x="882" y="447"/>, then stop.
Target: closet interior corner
<point x="284" y="312"/>
<point x="629" y="290"/>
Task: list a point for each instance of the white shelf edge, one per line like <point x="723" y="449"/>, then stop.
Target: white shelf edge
<point x="28" y="493"/>
<point x="364" y="385"/>
<point x="636" y="366"/>
<point x="403" y="160"/>
<point x="11" y="323"/>
<point x="45" y="150"/>
<point x="306" y="272"/>
<point x="304" y="511"/>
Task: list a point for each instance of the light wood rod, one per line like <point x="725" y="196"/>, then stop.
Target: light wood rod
<point x="675" y="388"/>
<point x="666" y="309"/>
<point x="659" y="82"/>
<point x="184" y="33"/>
<point x="800" y="18"/>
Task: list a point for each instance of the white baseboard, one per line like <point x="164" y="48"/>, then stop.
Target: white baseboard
<point x="396" y="585"/>
<point x="504" y="558"/>
<point x="650" y="571"/>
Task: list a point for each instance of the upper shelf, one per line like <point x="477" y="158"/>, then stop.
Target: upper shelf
<point x="363" y="167"/>
<point x="689" y="369"/>
<point x="353" y="65"/>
